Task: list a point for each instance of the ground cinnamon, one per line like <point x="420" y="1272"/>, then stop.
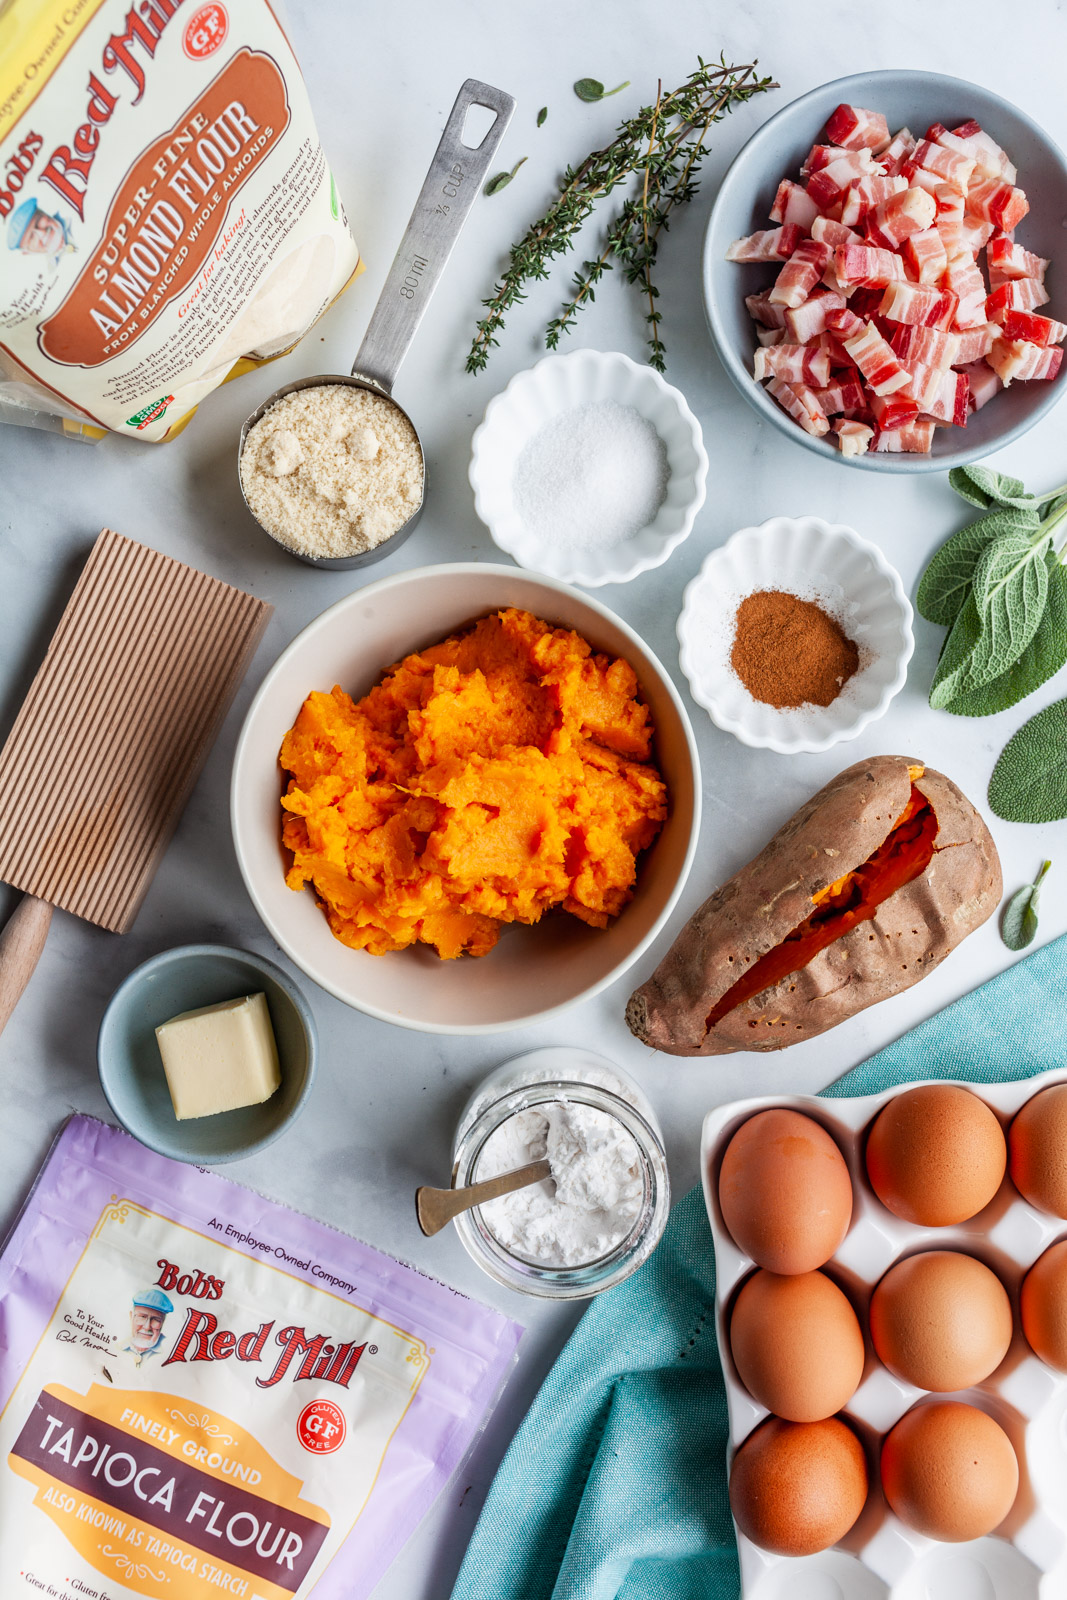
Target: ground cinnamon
<point x="790" y="652"/>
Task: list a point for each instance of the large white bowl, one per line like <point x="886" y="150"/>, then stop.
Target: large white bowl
<point x="829" y="564"/>
<point x="535" y="398"/>
<point x="533" y="972"/>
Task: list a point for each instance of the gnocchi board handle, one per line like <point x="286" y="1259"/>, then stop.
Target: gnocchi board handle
<point x="21" y="944"/>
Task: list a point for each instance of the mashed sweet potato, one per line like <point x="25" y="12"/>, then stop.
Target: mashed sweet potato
<point x="502" y="772"/>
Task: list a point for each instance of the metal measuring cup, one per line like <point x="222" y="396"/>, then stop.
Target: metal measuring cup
<point x="452" y="183"/>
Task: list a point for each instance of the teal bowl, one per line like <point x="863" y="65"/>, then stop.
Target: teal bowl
<point x="131" y="1070"/>
<point x="915" y="98"/>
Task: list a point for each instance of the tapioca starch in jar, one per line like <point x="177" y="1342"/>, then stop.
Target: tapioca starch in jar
<point x="203" y="1393"/>
<point x="167" y="213"/>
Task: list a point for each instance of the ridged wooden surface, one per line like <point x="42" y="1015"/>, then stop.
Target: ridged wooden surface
<point x="117" y="725"/>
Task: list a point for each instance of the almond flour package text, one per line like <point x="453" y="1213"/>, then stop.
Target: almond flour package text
<point x="205" y="1394"/>
<point x="167" y="215"/>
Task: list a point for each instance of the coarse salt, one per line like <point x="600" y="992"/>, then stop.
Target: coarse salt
<point x="591" y="478"/>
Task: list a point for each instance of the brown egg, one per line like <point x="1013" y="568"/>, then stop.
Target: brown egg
<point x="949" y="1471"/>
<point x="797" y="1344"/>
<point x="936" y="1155"/>
<point x="1043" y="1306"/>
<point x="797" y="1487"/>
<point x="941" y="1320"/>
<point x="1037" y="1140"/>
<point x="785" y="1192"/>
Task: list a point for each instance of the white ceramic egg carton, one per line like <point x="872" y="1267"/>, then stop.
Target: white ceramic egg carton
<point x="881" y="1559"/>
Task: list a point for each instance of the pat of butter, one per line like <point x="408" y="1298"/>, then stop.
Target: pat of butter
<point x="220" y="1057"/>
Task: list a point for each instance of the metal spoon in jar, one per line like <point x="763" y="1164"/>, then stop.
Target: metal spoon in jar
<point x="445" y="199"/>
<point x="435" y="1207"/>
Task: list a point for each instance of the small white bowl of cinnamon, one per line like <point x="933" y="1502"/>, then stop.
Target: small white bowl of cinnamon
<point x="795" y="635"/>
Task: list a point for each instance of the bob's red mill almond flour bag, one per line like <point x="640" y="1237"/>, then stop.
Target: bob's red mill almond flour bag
<point x="205" y="1394"/>
<point x="167" y="215"/>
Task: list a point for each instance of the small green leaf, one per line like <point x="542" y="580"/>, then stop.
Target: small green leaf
<point x="592" y="90"/>
<point x="1029" y="782"/>
<point x="502" y="179"/>
<point x="542" y="116"/>
<point x="1044" y="655"/>
<point x="1018" y="922"/>
<point x="984" y="487"/>
<point x="1000" y="617"/>
<point x="943" y="586"/>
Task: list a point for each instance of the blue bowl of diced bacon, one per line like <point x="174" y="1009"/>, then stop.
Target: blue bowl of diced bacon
<point x="878" y="272"/>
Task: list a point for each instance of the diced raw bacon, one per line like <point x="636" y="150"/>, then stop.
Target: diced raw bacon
<point x="865" y="302"/>
<point x="1018" y="294"/>
<point x="826" y="183"/>
<point x="794" y="204"/>
<point x="975" y="343"/>
<point x="864" y="193"/>
<point x="875" y="359"/>
<point x="972" y="138"/>
<point x="793" y="363"/>
<point x="1033" y="328"/>
<point x="844" y="394"/>
<point x="769" y="336"/>
<point x="918" y="302"/>
<point x="839" y="356"/>
<point x="926" y="255"/>
<point x="949" y="404"/>
<point x="974" y="234"/>
<point x="823" y="191"/>
<point x="819" y="156"/>
<point x="761" y="310"/>
<point x="967" y="284"/>
<point x="1014" y="358"/>
<point x="771" y="244"/>
<point x="855" y="129"/>
<point x="949" y="202"/>
<point x="1006" y="260"/>
<point x="931" y="347"/>
<point x="984" y="383"/>
<point x="951" y="166"/>
<point x="800" y="274"/>
<point x="918" y="178"/>
<point x="853" y="438"/>
<point x="915" y="439"/>
<point x="993" y="200"/>
<point x="844" y="323"/>
<point x="903" y="214"/>
<point x="893" y="410"/>
<point x="867" y="265"/>
<point x="923" y="383"/>
<point x="897" y="151"/>
<point x="807" y="320"/>
<point x="835" y="234"/>
<point x="801" y="405"/>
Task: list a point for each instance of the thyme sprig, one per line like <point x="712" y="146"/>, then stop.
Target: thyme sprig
<point x="662" y="146"/>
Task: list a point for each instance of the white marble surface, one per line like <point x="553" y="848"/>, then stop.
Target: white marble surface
<point x="382" y="79"/>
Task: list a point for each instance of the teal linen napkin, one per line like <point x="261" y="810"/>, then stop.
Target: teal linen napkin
<point x="614" y="1487"/>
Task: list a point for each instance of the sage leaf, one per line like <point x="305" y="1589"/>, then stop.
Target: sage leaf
<point x="542" y="116"/>
<point x="984" y="487"/>
<point x="955" y="653"/>
<point x="1018" y="922"/>
<point x="943" y="586"/>
<point x="502" y="179"/>
<point x="591" y="89"/>
<point x="1010" y="592"/>
<point x="1029" y="782"/>
<point x="1044" y="655"/>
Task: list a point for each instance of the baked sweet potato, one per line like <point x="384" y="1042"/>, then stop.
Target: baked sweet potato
<point x="861" y="893"/>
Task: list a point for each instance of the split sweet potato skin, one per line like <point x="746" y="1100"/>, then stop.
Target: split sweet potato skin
<point x="833" y="834"/>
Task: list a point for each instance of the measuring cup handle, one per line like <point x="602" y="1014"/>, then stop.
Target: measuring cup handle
<point x="452" y="183"/>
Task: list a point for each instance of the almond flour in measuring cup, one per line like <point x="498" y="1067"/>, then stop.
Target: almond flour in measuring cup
<point x="332" y="470"/>
<point x="591" y="477"/>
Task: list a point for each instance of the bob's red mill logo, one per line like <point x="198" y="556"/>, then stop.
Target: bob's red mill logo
<point x="299" y="1354"/>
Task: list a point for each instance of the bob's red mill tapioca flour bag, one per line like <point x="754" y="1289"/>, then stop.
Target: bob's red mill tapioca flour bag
<point x="205" y="1394"/>
<point x="167" y="214"/>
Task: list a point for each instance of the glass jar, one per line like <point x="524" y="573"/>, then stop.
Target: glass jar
<point x="581" y="1078"/>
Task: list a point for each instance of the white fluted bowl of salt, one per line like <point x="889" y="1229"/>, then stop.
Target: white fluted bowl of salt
<point x="589" y="467"/>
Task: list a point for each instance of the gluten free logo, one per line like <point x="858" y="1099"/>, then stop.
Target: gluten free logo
<point x="205" y="32"/>
<point x="320" y="1427"/>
